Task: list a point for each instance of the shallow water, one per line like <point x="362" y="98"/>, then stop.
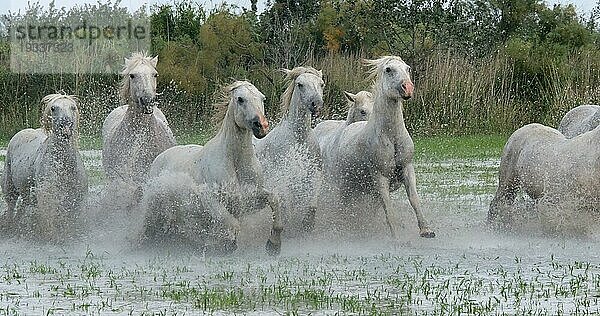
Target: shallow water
<point x="467" y="268"/>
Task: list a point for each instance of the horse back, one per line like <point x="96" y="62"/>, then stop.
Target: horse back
<point x="580" y="120"/>
<point x="177" y="159"/>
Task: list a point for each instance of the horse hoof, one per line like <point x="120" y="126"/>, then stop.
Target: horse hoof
<point x="272" y="248"/>
<point x="428" y="234"/>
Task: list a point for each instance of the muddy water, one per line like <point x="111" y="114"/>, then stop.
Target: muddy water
<point x="467" y="268"/>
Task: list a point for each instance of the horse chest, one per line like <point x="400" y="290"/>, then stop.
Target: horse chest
<point x="391" y="154"/>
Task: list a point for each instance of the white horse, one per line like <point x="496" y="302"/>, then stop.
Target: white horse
<point x="290" y="154"/>
<point x="579" y="120"/>
<point x="44" y="168"/>
<point x="360" y="106"/>
<point x="225" y="166"/>
<point x="135" y="133"/>
<point x="371" y="158"/>
<point x="543" y="163"/>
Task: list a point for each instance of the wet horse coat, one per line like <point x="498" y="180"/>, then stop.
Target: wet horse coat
<point x="44" y="169"/>
<point x="226" y="167"/>
<point x="372" y="158"/>
<point x="290" y="154"/>
<point x="135" y="133"/>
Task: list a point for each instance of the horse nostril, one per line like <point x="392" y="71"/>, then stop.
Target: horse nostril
<point x="407" y="87"/>
<point x="257" y="124"/>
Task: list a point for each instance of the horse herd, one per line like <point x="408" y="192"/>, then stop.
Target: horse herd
<point x="198" y="195"/>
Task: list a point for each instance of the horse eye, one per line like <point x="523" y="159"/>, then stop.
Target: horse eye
<point x="388" y="69"/>
<point x="362" y="112"/>
<point x="53" y="108"/>
<point x="300" y="85"/>
<point x="155" y="75"/>
<point x="240" y="100"/>
<point x="131" y="76"/>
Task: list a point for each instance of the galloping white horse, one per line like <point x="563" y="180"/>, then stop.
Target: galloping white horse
<point x="43" y="167"/>
<point x="543" y="163"/>
<point x="226" y="166"/>
<point x="290" y="154"/>
<point x="360" y="107"/>
<point x="370" y="159"/>
<point x="135" y="133"/>
<point x="579" y="120"/>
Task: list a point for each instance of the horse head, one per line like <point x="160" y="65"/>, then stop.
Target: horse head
<point x="305" y="90"/>
<point x="61" y="115"/>
<point x="393" y="77"/>
<point x="360" y="106"/>
<point x="247" y="102"/>
<point x="139" y="82"/>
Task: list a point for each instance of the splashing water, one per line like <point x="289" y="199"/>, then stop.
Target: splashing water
<point x="468" y="268"/>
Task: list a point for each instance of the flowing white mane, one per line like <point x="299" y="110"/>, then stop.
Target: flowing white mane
<point x="377" y="65"/>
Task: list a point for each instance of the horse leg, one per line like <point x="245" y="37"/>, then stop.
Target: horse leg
<point x="274" y="242"/>
<point x="384" y="192"/>
<point x="410" y="184"/>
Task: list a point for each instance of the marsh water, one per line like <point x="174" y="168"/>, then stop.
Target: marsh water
<point x="468" y="268"/>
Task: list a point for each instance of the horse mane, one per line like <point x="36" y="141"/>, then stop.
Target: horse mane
<point x="377" y="65"/>
<point x="221" y="105"/>
<point x="46" y="119"/>
<point x="291" y="75"/>
<point x="131" y="63"/>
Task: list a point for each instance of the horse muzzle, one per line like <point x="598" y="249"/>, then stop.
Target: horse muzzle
<point x="406" y="89"/>
<point x="260" y="127"/>
<point x="147" y="105"/>
<point x="315" y="108"/>
<point x="65" y="128"/>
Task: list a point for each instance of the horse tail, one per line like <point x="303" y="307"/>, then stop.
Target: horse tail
<point x="508" y="176"/>
<point x="10" y="192"/>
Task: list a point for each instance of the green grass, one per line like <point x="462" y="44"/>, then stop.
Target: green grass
<point x="199" y="138"/>
<point x="426" y="148"/>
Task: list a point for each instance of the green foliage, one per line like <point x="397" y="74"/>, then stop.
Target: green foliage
<point x="479" y="66"/>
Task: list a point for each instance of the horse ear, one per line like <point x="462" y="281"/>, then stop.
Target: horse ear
<point x="285" y="71"/>
<point x="154" y="61"/>
<point x="321" y="73"/>
<point x="127" y="62"/>
<point x="351" y="97"/>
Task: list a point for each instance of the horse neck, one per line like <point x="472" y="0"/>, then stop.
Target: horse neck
<point x="298" y="119"/>
<point x="236" y="141"/>
<point x="387" y="117"/>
